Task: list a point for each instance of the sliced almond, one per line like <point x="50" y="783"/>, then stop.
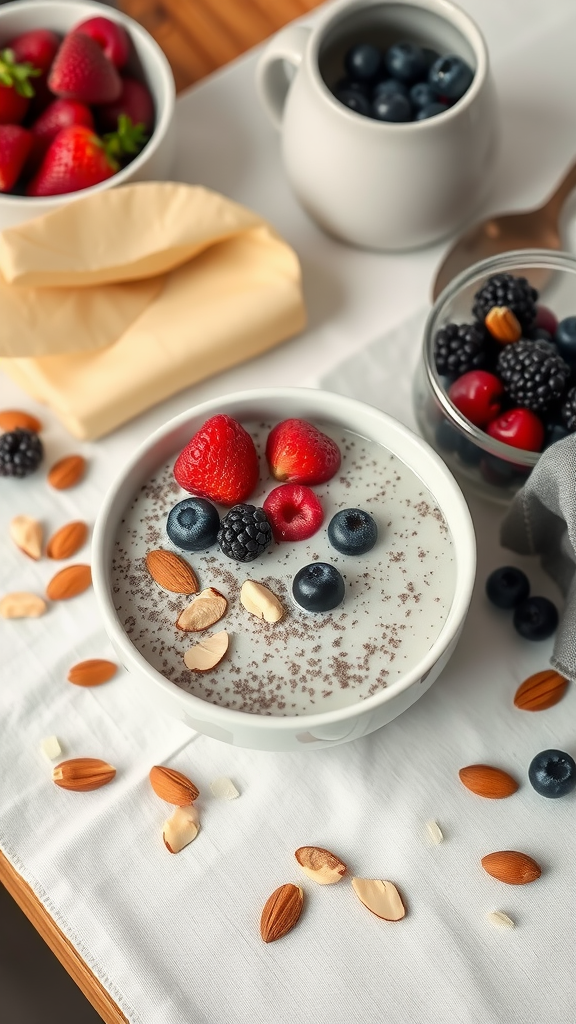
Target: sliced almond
<point x="540" y="691"/>
<point x="224" y="789"/>
<point x="207" y="653"/>
<point x="67" y="472"/>
<point x="82" y="774"/>
<point x="434" y="832"/>
<point x="500" y="920"/>
<point x="69" y="582"/>
<point x="171" y="572"/>
<point x="67" y="540"/>
<point x="206" y="609"/>
<point x="27" y="535"/>
<point x="21" y="605"/>
<point x="484" y="780"/>
<point x="172" y="786"/>
<point x="281" y="912"/>
<point x="381" y="898"/>
<point x="51" y="748"/>
<point x="181" y="828"/>
<point x="511" y="867"/>
<point x="320" y="865"/>
<point x="92" y="672"/>
<point x="260" y="601"/>
<point x="16" y="419"/>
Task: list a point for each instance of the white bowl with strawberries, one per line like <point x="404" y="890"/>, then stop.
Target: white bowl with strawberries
<point x="86" y="103"/>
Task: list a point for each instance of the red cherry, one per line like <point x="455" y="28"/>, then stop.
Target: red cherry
<point x="477" y="396"/>
<point x="294" y="511"/>
<point x="519" y="428"/>
<point x="546" y="319"/>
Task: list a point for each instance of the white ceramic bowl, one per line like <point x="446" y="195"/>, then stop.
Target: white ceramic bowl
<point x="155" y="160"/>
<point x="266" y="732"/>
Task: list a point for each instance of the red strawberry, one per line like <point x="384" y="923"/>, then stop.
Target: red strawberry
<point x="135" y="101"/>
<point x="76" y="159"/>
<point x="16" y="89"/>
<point x="300" y="453"/>
<point x="294" y="511"/>
<point x="219" y="462"/>
<point x="110" y="36"/>
<point x="15" y="145"/>
<point x="81" y="71"/>
<point x="38" y="47"/>
<point x="60" y="114"/>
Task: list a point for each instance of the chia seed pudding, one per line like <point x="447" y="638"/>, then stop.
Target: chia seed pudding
<point x="398" y="594"/>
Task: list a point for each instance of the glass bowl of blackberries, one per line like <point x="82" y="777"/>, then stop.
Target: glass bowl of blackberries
<point x="496" y="384"/>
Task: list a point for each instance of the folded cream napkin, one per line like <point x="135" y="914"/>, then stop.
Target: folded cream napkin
<point x="116" y="301"/>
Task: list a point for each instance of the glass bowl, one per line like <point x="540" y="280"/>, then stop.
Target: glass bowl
<point x="481" y="464"/>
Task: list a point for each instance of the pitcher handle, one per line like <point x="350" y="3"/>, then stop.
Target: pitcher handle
<point x="272" y="80"/>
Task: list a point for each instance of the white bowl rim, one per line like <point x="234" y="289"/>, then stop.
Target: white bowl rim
<point x="454" y="508"/>
<point x="163" y="117"/>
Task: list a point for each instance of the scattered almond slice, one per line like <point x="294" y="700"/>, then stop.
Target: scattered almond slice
<point x="27" y="536"/>
<point x="381" y="898"/>
<point x="224" y="789"/>
<point x="181" y="828"/>
<point x="51" y="748"/>
<point x="434" y="832"/>
<point x="260" y="601"/>
<point x="22" y="605"/>
<point x="207" y="653"/>
<point x="500" y="920"/>
<point x="320" y="865"/>
<point x="206" y="609"/>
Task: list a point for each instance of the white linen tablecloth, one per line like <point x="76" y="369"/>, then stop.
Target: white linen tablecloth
<point x="176" y="939"/>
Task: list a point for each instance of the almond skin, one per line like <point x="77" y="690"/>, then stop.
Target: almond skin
<point x="491" y="783"/>
<point x="281" y="912"/>
<point x="27" y="535"/>
<point x="67" y="472"/>
<point x="171" y="572"/>
<point x="69" y="582"/>
<point x="82" y="774"/>
<point x="540" y="691"/>
<point x="503" y="325"/>
<point x="21" y="605"/>
<point x="92" y="672"/>
<point x="16" y="419"/>
<point x="67" y="540"/>
<point x="320" y="865"/>
<point x="511" y="867"/>
<point x="172" y="786"/>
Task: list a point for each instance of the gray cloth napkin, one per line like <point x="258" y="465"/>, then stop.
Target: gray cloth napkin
<point x="542" y="520"/>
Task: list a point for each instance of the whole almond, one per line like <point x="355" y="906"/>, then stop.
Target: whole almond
<point x="172" y="786"/>
<point x="82" y="774"/>
<point x="207" y="653"/>
<point x="206" y="609"/>
<point x="27" y="535"/>
<point x="260" y="601"/>
<point x="67" y="472"/>
<point x="92" y="672"/>
<point x="281" y="912"/>
<point x="380" y="898"/>
<point x="181" y="828"/>
<point x="69" y="582"/>
<point x="503" y="325"/>
<point x="15" y="419"/>
<point x="540" y="691"/>
<point x="491" y="783"/>
<point x="171" y="572"/>
<point x="511" y="867"/>
<point x="67" y="540"/>
<point x="320" y="865"/>
<point x="22" y="605"/>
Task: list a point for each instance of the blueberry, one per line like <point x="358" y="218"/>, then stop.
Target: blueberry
<point x="363" y="62"/>
<point x="388" y="87"/>
<point x="422" y="94"/>
<point x="447" y="437"/>
<point x="555" y="432"/>
<point x="354" y="100"/>
<point x="469" y="452"/>
<point x="430" y="111"/>
<point x="507" y="587"/>
<point x="406" y="62"/>
<point x="352" y="531"/>
<point x="552" y="773"/>
<point x="565" y="339"/>
<point x="192" y="524"/>
<point x="347" y="83"/>
<point x="392" y="108"/>
<point x="430" y="56"/>
<point x="450" y="76"/>
<point x="318" y="587"/>
<point x="536" y="618"/>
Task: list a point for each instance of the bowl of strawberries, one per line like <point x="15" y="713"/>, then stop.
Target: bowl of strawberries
<point x="86" y="103"/>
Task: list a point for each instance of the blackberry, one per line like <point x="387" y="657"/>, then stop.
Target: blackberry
<point x="244" y="533"/>
<point x="506" y="290"/>
<point x="459" y="348"/>
<point x="21" y="452"/>
<point x="568" y="410"/>
<point x="533" y="374"/>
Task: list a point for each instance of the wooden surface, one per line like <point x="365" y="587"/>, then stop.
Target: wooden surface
<point x="197" y="36"/>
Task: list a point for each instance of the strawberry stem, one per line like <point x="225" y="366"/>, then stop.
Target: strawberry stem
<point x="17" y="76"/>
<point x="128" y="140"/>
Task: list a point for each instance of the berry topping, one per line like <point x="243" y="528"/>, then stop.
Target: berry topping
<point x="546" y="319"/>
<point x="450" y="76"/>
<point x="244" y="533"/>
<point x="352" y="531"/>
<point x="363" y="62"/>
<point x="565" y="338"/>
<point x="534" y="374"/>
<point x="507" y="587"/>
<point x="37" y="47"/>
<point x="318" y="587"/>
<point x="392" y="107"/>
<point x="15" y="146"/>
<point x="568" y="411"/>
<point x="477" y="395"/>
<point x="21" y="452"/>
<point x="134" y="102"/>
<point x="389" y="87"/>
<point x="219" y="462"/>
<point x="301" y="454"/>
<point x="536" y="618"/>
<point x="505" y="290"/>
<point x="81" y="71"/>
<point x="552" y="773"/>
<point x="354" y="100"/>
<point x="431" y="110"/>
<point x="519" y="428"/>
<point x="459" y="348"/>
<point x="294" y="511"/>
<point x="406" y="62"/>
<point x="110" y="36"/>
<point x="193" y="524"/>
<point x="422" y="95"/>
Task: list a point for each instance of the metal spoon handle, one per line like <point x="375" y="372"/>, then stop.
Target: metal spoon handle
<point x="553" y="205"/>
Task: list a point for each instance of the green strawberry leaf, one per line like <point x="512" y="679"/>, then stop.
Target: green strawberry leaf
<point x="128" y="140"/>
<point x="17" y="76"/>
